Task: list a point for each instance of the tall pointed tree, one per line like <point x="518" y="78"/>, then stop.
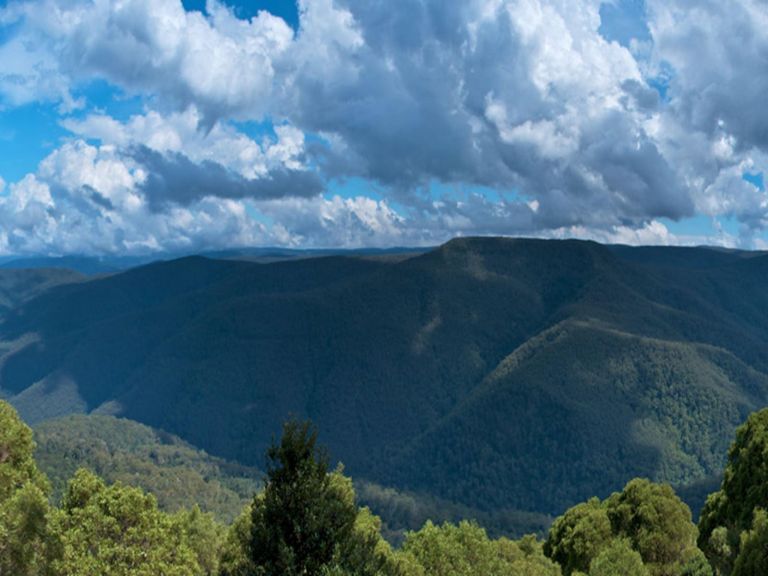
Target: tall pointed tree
<point x="302" y="519"/>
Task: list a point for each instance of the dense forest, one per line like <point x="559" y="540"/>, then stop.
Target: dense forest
<point x="306" y="520"/>
<point x="509" y="378"/>
<point x="177" y="473"/>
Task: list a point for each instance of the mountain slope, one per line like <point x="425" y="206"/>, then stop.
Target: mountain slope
<point x="641" y="407"/>
<point x="121" y="450"/>
<point x="498" y="373"/>
<point x="18" y="286"/>
<point x="181" y="476"/>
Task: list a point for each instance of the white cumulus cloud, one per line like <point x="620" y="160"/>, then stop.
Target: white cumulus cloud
<point x="520" y="113"/>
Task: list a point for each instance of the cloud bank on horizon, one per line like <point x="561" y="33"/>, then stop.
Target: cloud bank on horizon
<point x="133" y="126"/>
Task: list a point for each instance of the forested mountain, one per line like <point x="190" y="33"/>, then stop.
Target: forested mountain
<point x="120" y="450"/>
<point x="110" y="264"/>
<point x="18" y="286"/>
<point x="496" y="373"/>
<point x="180" y="476"/>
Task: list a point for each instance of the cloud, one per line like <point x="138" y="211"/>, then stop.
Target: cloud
<point x="715" y="123"/>
<point x="87" y="198"/>
<point x="518" y="95"/>
<point x="521" y="113"/>
<point x="225" y="66"/>
<point x="717" y="52"/>
<point x="180" y="162"/>
<point x="174" y="178"/>
<point x="184" y="133"/>
<point x="44" y="224"/>
<point x="335" y="221"/>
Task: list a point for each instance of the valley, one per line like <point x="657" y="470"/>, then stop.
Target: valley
<point x="495" y="374"/>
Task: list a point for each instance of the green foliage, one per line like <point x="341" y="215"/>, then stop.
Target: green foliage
<point x="657" y="524"/>
<point x="27" y="544"/>
<point x="17" y="464"/>
<point x="235" y="558"/>
<point x="466" y="550"/>
<point x="730" y="511"/>
<point x="618" y="559"/>
<point x="753" y="557"/>
<point x="719" y="550"/>
<point x="365" y="553"/>
<point x="204" y="535"/>
<point x="304" y="517"/>
<point x="578" y="536"/>
<point x="119" y="450"/>
<point x="526" y="556"/>
<point x="646" y="516"/>
<point x="118" y="531"/>
<point x="697" y="565"/>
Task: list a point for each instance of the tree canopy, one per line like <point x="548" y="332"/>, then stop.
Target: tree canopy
<point x="26" y="542"/>
<point x="646" y="517"/>
<point x="728" y="519"/>
<point x="303" y="518"/>
<point x="307" y="522"/>
<point x="117" y="530"/>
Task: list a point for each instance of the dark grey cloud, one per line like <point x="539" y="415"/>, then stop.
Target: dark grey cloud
<point x="641" y="95"/>
<point x="172" y="178"/>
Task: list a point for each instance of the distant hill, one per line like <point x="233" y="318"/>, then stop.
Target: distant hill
<point x="495" y="373"/>
<point x="268" y="255"/>
<point x="180" y="476"/>
<point x="86" y="265"/>
<point x="18" y="286"/>
<point x="116" y="449"/>
<point x="108" y="264"/>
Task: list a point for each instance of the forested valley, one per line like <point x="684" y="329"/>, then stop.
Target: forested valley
<point x="500" y="378"/>
<point x="306" y="520"/>
<point x="501" y="406"/>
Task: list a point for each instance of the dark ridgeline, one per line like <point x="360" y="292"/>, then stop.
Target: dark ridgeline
<point x="497" y="373"/>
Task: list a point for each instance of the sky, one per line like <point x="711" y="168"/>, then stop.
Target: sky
<point x="143" y="126"/>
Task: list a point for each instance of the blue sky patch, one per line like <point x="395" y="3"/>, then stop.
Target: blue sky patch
<point x="286" y="9"/>
<point x="756" y="179"/>
<point x="27" y="135"/>
<point x="623" y="21"/>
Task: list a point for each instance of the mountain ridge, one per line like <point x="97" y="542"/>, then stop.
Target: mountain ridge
<point x="464" y="351"/>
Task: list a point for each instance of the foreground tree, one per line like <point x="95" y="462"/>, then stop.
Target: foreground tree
<point x="365" y="552"/>
<point x="730" y="519"/>
<point x="204" y="536"/>
<point x="27" y="543"/>
<point x="303" y="519"/>
<point x="118" y="531"/>
<point x="652" y="520"/>
<point x="618" y="559"/>
<point x="657" y="524"/>
<point x="466" y="550"/>
<point x="578" y="536"/>
<point x="17" y="464"/>
<point x="236" y="558"/>
<point x="753" y="557"/>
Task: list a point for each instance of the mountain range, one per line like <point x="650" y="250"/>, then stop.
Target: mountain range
<point x="498" y="374"/>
